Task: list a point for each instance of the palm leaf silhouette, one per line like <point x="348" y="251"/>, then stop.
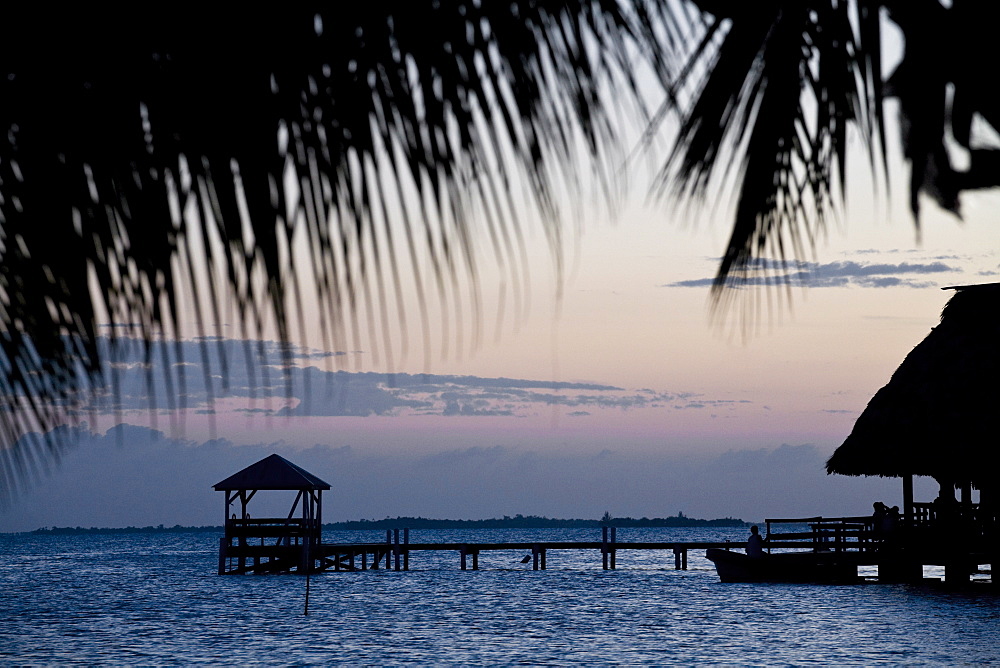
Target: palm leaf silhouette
<point x="153" y="149"/>
<point x="773" y="88"/>
<point x="783" y="81"/>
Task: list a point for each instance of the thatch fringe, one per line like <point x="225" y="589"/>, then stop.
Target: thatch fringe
<point x="938" y="415"/>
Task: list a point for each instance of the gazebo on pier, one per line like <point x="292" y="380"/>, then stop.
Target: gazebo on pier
<point x="939" y="416"/>
<point x="272" y="544"/>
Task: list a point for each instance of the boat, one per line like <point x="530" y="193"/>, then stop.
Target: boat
<point x="809" y="566"/>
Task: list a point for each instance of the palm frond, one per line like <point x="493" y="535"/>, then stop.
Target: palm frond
<point x="782" y="81"/>
<point x="157" y="150"/>
<point x="163" y="160"/>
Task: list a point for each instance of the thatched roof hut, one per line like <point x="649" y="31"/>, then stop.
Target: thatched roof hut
<point x="273" y="472"/>
<point x="939" y="415"/>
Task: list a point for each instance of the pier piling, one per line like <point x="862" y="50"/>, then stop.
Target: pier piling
<point x="608" y="547"/>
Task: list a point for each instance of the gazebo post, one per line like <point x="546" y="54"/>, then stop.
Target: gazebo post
<point x="319" y="512"/>
<point x="947" y="490"/>
<point x="908" y="500"/>
<point x="966" y="493"/>
<point x="296" y="544"/>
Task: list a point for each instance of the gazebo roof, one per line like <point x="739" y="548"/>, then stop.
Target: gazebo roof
<point x="939" y="414"/>
<point x="273" y="472"/>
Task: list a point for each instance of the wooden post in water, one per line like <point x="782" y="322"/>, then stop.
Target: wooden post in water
<point x="242" y="541"/>
<point x="396" y="550"/>
<point x="462" y="552"/>
<point x="604" y="548"/>
<point x="305" y="555"/>
<point x="614" y="552"/>
<point x="223" y="543"/>
<point x="957" y="572"/>
<point x="534" y="557"/>
<point x="406" y="551"/>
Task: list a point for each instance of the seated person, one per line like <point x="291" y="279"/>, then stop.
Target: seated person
<point x="755" y="544"/>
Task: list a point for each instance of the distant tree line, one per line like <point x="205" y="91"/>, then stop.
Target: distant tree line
<point x="506" y="522"/>
<point x="177" y="528"/>
<point x="535" y="522"/>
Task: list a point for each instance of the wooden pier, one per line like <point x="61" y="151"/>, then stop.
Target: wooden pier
<point x="294" y="544"/>
<point x="962" y="548"/>
<point x="394" y="553"/>
<point x="843" y="544"/>
<point x="283" y="545"/>
<point x="961" y="537"/>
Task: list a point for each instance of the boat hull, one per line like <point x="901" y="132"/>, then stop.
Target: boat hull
<point x="783" y="567"/>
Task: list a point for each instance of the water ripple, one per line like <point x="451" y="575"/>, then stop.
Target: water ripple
<point x="155" y="600"/>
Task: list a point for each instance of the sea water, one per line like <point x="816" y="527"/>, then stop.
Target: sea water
<point x="155" y="599"/>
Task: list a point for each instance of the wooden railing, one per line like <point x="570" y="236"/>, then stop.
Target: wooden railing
<point x="289" y="530"/>
<point x="269" y="545"/>
<point x="969" y="523"/>
<point x="823" y="534"/>
<point x="974" y="513"/>
<point x="957" y="520"/>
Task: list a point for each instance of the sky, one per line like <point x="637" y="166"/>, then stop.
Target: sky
<point x="614" y="389"/>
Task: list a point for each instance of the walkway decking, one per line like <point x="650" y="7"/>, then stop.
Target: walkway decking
<point x="849" y="541"/>
<point x="390" y="555"/>
<point x="247" y="550"/>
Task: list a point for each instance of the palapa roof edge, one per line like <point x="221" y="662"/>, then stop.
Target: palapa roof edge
<point x="272" y="472"/>
<point x="937" y="414"/>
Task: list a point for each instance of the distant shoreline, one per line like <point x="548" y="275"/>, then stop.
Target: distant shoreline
<point x="535" y="522"/>
<point x="506" y="522"/>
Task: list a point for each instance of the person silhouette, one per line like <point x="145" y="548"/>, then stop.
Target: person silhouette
<point x="879" y="519"/>
<point x="892" y="519"/>
<point x="755" y="544"/>
<point x="889" y="523"/>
